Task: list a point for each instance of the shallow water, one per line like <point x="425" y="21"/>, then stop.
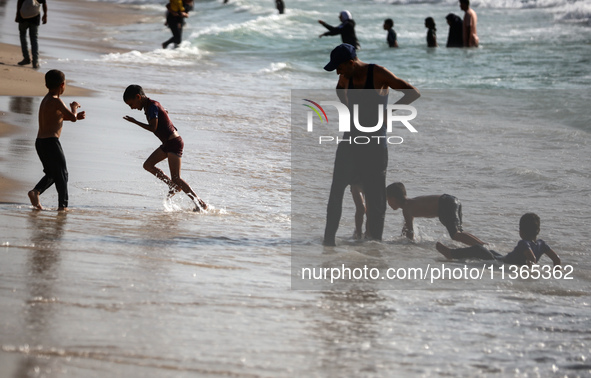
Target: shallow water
<point x="128" y="284"/>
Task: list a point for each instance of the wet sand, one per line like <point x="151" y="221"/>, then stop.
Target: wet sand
<point x="24" y="81"/>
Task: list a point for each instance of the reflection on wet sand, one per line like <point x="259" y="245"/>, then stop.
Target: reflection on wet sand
<point x="21" y="105"/>
<point x="356" y="319"/>
<point x="43" y="271"/>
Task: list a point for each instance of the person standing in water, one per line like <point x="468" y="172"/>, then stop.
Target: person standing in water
<point x="368" y="162"/>
<point x="52" y="113"/>
<point x="456" y="29"/>
<point x="431" y="33"/>
<point x="469" y="35"/>
<point x="175" y="20"/>
<point x="346" y="29"/>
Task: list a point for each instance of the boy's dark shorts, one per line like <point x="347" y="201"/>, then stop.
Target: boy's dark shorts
<point x="450" y="213"/>
<point x="174" y="146"/>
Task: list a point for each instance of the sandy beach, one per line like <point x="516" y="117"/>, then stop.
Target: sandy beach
<point x="18" y="81"/>
<point x="23" y="81"/>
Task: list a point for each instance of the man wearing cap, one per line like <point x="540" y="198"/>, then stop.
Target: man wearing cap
<point x="365" y="85"/>
<point x="346" y="29"/>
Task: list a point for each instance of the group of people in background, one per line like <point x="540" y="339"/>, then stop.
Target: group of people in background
<point x="462" y="33"/>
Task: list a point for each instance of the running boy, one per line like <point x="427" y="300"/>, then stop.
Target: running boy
<point x="447" y="208"/>
<point x="172" y="144"/>
<point x="52" y="113"/>
<point x="527" y="252"/>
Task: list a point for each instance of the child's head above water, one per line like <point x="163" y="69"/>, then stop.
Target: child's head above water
<point x="396" y="194"/>
<point x="529" y="226"/>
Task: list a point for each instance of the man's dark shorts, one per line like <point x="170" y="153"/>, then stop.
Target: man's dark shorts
<point x="450" y="213"/>
<point x="174" y="146"/>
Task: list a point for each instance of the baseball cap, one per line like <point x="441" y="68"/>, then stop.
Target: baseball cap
<point x="342" y="53"/>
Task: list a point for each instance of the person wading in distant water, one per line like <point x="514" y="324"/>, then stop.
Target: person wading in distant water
<point x="52" y="113"/>
<point x="175" y="19"/>
<point x="470" y="37"/>
<point x="346" y="29"/>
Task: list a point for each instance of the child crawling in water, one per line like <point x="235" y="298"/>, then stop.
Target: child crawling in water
<point x="528" y="251"/>
<point x="448" y="208"/>
<point x="172" y="144"/>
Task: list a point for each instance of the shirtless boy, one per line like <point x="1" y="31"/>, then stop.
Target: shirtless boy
<point x="447" y="208"/>
<point x="172" y="144"/>
<point x="52" y="113"/>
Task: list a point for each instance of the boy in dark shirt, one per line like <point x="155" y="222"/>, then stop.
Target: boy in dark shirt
<point x="527" y="252"/>
<point x="172" y="144"/>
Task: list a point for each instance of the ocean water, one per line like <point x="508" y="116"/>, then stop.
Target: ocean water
<point x="130" y="284"/>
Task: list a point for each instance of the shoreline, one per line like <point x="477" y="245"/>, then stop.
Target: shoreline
<point x="24" y="81"/>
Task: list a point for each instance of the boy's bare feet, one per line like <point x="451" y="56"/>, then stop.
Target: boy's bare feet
<point x="63" y="209"/>
<point x="34" y="198"/>
<point x="199" y="205"/>
<point x="443" y="250"/>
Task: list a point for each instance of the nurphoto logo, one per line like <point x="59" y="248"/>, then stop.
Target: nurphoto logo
<point x="344" y="118"/>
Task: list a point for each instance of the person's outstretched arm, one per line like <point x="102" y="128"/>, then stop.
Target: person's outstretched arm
<point x="331" y="29"/>
<point x="151" y="126"/>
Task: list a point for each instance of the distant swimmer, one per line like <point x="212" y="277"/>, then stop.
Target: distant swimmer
<point x="528" y="251"/>
<point x="391" y="38"/>
<point x="52" y="112"/>
<point x="448" y="208"/>
<point x="346" y="29"/>
<point x="456" y="29"/>
<point x="172" y="144"/>
<point x="469" y="35"/>
<point x="431" y="33"/>
<point x="280" y="6"/>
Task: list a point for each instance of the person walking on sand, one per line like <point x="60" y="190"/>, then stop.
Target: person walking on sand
<point x="172" y="144"/>
<point x="469" y="35"/>
<point x="346" y="29"/>
<point x="52" y="113"/>
<point x="28" y="16"/>
<point x="366" y="161"/>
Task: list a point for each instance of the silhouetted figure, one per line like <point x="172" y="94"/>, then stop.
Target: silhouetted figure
<point x="346" y="29"/>
<point x="454" y="38"/>
<point x="280" y="6"/>
<point x="470" y="19"/>
<point x="391" y="38"/>
<point x="431" y="34"/>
